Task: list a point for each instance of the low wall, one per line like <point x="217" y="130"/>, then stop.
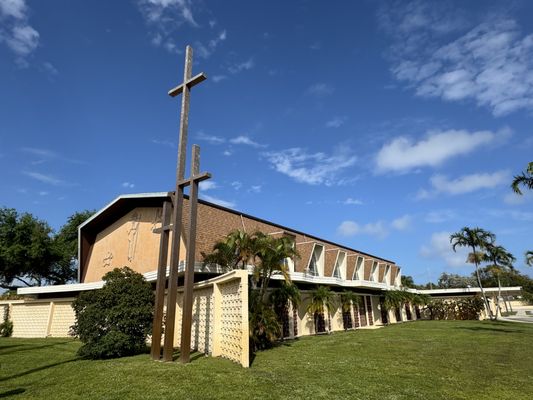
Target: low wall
<point x="219" y="321"/>
<point x="40" y="318"/>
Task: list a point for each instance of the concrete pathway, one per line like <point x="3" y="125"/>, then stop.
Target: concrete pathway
<point x="521" y="315"/>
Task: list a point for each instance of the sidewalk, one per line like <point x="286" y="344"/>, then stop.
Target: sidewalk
<point x="520" y="316"/>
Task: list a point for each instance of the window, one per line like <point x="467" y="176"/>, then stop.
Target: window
<point x="359" y="268"/>
<point x="374" y="271"/>
<point x="316" y="263"/>
<point x="339" y="271"/>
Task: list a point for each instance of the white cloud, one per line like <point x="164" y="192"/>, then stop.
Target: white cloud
<point x="469" y="183"/>
<point x="312" y="168"/>
<point x="50" y="68"/>
<point x="440" y="248"/>
<point x="521" y="216"/>
<point x="43" y="193"/>
<point x="164" y="142"/>
<point x="320" y="89"/>
<point x="438" y="216"/>
<point x="402" y="154"/>
<point x="210" y="138"/>
<point x="243" y="66"/>
<point x="219" y="78"/>
<point x="255" y="189"/>
<point x="15" y="30"/>
<point x="236" y="185"/>
<point x="227" y="153"/>
<point x="513" y="199"/>
<point x="434" y="54"/>
<point x="220" y="202"/>
<point x="44" y="178"/>
<point x="245" y="140"/>
<point x="161" y="11"/>
<point x="335" y="122"/>
<point x="128" y="185"/>
<point x="47" y="154"/>
<point x="350" y="201"/>
<point x="351" y="228"/>
<point x="208" y="185"/>
<point x="402" y="223"/>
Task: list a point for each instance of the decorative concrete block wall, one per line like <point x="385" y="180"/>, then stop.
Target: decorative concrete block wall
<point x="40" y="318"/>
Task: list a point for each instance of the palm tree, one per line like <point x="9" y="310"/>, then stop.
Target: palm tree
<point x="524" y="179"/>
<point x="474" y="238"/>
<point x="501" y="260"/>
<point x="280" y="298"/>
<point x="529" y="258"/>
<point x="348" y="299"/>
<point x="321" y="297"/>
<point x="235" y="251"/>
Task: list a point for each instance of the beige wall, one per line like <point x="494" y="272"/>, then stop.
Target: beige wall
<point x="40" y="318"/>
<point x="130" y="241"/>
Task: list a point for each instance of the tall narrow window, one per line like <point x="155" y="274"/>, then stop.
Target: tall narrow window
<point x="374" y="271"/>
<point x="340" y="266"/>
<point x="358" y="272"/>
<point x="316" y="263"/>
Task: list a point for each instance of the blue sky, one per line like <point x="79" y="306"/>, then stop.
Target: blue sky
<point x="381" y="125"/>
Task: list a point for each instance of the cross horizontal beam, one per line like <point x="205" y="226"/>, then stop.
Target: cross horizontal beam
<point x="195" y="178"/>
<point x="163" y="228"/>
<point x="195" y="80"/>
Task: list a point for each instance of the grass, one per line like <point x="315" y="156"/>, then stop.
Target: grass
<point x="418" y="360"/>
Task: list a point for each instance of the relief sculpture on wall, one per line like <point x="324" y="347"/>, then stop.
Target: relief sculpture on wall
<point x="157" y="218"/>
<point x="133" y="232"/>
<point x="108" y="259"/>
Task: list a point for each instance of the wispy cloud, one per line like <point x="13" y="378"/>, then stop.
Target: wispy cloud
<point x="379" y="229"/>
<point x="208" y="185"/>
<point x="439" y="216"/>
<point x="336" y="122"/>
<point x="489" y="63"/>
<point x="47" y="154"/>
<point x="403" y="154"/>
<point x="219" y="78"/>
<point x="210" y="138"/>
<point x="164" y="11"/>
<point x="236" y="185"/>
<point x="164" y="142"/>
<point x="44" y="178"/>
<point x="255" y="189"/>
<point x="350" y="201"/>
<point x="464" y="184"/>
<point x="320" y="89"/>
<point x="245" y="140"/>
<point x="514" y="199"/>
<point x="220" y="202"/>
<point x="242" y="66"/>
<point x="128" y="185"/>
<point x="439" y="248"/>
<point x="50" y="69"/>
<point x="312" y="168"/>
<point x="15" y="30"/>
<point x="205" y="51"/>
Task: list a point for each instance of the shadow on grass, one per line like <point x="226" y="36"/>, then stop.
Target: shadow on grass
<point x="33" y="370"/>
<point x="12" y="392"/>
<point x="485" y="328"/>
<point x="26" y="347"/>
<point x="279" y="343"/>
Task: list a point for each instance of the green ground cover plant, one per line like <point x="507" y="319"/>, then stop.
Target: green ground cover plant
<point x="415" y="360"/>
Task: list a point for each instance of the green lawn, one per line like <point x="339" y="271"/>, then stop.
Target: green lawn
<point x="418" y="360"/>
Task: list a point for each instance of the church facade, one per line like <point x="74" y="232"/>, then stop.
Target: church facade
<point x="127" y="233"/>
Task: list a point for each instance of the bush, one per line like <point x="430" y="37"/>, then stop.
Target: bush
<point x="114" y="321"/>
<point x="6" y="328"/>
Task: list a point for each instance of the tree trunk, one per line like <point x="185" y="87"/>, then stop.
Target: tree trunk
<point x="481" y="286"/>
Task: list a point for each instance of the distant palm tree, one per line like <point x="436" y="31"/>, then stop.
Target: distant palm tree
<point x="500" y="260"/>
<point x="529" y="258"/>
<point x="321" y="297"/>
<point x="474" y="238"/>
<point x="524" y="179"/>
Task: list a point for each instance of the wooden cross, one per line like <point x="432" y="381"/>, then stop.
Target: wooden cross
<point x="181" y="183"/>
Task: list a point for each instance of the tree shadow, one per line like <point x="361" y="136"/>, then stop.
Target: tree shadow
<point x="483" y="328"/>
<point x="33" y="370"/>
<point x="26" y="347"/>
<point x="12" y="392"/>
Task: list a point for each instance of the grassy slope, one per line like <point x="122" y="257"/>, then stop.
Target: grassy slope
<point x="422" y="360"/>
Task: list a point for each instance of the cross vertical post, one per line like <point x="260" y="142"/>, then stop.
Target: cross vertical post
<point x="160" y="282"/>
<point x="186" y="321"/>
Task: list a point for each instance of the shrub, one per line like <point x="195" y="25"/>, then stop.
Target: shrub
<point x="6" y="327"/>
<point x="114" y="321"/>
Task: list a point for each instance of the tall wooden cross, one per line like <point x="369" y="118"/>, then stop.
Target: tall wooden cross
<point x="175" y="226"/>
